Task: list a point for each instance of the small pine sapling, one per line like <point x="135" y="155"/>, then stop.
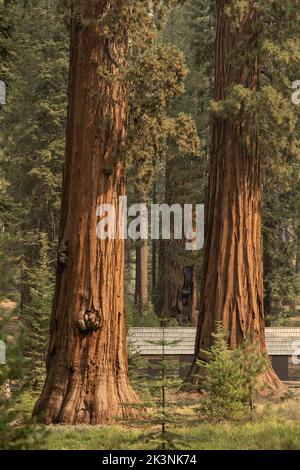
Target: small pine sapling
<point x="230" y="378"/>
<point x="222" y="381"/>
<point x="161" y="414"/>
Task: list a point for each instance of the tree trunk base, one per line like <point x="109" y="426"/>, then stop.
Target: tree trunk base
<point x="110" y="402"/>
<point x="268" y="383"/>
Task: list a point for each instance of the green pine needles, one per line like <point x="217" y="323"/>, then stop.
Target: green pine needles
<point x="162" y="410"/>
<point x="229" y="379"/>
<point x="36" y="317"/>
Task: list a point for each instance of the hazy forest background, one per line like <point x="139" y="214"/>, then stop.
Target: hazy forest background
<point x="170" y="72"/>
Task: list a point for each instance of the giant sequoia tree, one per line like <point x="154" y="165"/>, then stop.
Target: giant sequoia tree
<point x="232" y="283"/>
<point x="87" y="367"/>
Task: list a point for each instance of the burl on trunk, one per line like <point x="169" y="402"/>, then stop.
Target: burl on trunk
<point x="231" y="289"/>
<point x="87" y="379"/>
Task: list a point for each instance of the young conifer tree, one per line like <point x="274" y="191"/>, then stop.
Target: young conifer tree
<point x="230" y="379"/>
<point x="36" y="314"/>
<point x="162" y="411"/>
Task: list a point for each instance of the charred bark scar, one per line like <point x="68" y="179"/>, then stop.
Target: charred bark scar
<point x="70" y="370"/>
<point x="63" y="253"/>
<point x="108" y="170"/>
<point x="89" y="321"/>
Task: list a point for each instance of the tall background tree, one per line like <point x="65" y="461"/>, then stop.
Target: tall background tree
<point x="232" y="278"/>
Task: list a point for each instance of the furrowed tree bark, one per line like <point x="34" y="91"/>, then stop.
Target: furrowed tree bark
<point x="231" y="289"/>
<point x="87" y="379"/>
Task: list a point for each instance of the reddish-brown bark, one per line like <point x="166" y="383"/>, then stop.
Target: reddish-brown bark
<point x="231" y="289"/>
<point x="87" y="379"/>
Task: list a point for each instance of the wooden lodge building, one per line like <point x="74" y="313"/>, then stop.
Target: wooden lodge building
<point x="179" y="347"/>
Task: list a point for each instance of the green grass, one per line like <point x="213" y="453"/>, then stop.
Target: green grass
<point x="260" y="436"/>
<point x="89" y="438"/>
<point x="276" y="426"/>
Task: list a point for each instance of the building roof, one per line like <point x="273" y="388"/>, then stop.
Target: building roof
<point x="180" y="340"/>
<point x="281" y="340"/>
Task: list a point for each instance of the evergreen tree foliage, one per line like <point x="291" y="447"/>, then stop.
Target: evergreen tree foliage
<point x="279" y="144"/>
<point x="32" y="136"/>
<point x="17" y="431"/>
<point x="37" y="313"/>
<point x="34" y="118"/>
<point x="161" y="411"/>
<point x="154" y="127"/>
<point x="230" y="379"/>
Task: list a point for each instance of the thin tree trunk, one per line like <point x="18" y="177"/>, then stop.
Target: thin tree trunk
<point x="161" y="303"/>
<point x="154" y="253"/>
<point x="193" y="299"/>
<point x="298" y="250"/>
<point x="169" y="268"/>
<point x="267" y="285"/>
<point x="137" y="295"/>
<point x="232" y="282"/>
<point x="87" y="379"/>
<point x="141" y="289"/>
<point x="176" y="297"/>
<point x="144" y="276"/>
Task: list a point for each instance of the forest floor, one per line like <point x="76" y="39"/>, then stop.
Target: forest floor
<point x="275" y="426"/>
